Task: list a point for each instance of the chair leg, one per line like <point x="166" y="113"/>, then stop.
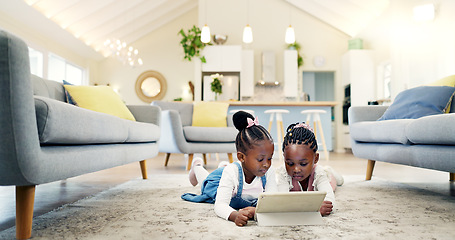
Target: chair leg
<point x="190" y="160"/>
<point x="143" y="165"/>
<point x="321" y="133"/>
<point x="452" y="177"/>
<point x="370" y="167"/>
<point x="231" y="160"/>
<point x="167" y="159"/>
<point x="25" y="198"/>
<point x="204" y="156"/>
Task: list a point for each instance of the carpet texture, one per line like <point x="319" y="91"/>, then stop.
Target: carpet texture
<point x="152" y="209"/>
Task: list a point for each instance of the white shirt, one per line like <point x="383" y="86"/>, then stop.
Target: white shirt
<point x="229" y="183"/>
<point x="321" y="182"/>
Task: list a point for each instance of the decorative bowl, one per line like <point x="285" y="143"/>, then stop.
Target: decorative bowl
<point x="220" y="39"/>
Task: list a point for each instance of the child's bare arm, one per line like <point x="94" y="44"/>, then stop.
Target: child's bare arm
<point x="326" y="208"/>
<point x="241" y="217"/>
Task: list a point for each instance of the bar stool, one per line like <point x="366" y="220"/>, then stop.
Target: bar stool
<point x="279" y="126"/>
<point x="317" y="124"/>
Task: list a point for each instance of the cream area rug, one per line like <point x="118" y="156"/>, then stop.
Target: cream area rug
<point x="153" y="209"/>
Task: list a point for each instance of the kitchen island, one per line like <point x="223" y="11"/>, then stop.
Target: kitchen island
<point x="294" y="115"/>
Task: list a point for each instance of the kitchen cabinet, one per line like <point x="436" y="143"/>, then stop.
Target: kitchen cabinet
<point x="290" y="74"/>
<point x="224" y="58"/>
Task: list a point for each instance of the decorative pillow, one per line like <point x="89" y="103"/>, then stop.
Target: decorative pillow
<point x="100" y="99"/>
<point x="69" y="99"/>
<point x="447" y="81"/>
<point x="210" y="114"/>
<point x="420" y="101"/>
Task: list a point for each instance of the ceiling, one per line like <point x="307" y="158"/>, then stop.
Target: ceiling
<point x="90" y="22"/>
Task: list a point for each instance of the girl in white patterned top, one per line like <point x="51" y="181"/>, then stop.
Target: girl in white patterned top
<point x="301" y="172"/>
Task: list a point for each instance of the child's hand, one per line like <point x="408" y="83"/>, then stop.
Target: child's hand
<point x="326" y="208"/>
<point x="243" y="215"/>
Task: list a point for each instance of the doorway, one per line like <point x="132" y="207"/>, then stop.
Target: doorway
<point x="319" y="86"/>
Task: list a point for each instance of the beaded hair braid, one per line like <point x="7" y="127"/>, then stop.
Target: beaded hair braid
<point x="248" y="136"/>
<point x="300" y="133"/>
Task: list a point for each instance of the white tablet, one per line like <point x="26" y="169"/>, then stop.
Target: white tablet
<point x="289" y="208"/>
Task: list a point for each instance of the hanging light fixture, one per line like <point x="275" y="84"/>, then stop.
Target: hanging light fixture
<point x="247" y="34"/>
<point x="205" y="33"/>
<point x="125" y="54"/>
<point x="247" y="31"/>
<point x="289" y="37"/>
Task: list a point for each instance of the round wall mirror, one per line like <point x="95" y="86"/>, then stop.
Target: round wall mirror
<point x="150" y="86"/>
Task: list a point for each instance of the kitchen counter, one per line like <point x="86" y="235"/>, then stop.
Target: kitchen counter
<point x="302" y="103"/>
<point x="294" y="115"/>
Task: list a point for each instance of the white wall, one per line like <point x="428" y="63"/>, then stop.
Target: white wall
<point x="160" y="51"/>
<point x="420" y="53"/>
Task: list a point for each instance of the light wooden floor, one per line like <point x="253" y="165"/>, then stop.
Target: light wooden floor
<point x="52" y="195"/>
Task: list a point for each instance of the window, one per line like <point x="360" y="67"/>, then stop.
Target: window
<point x="386" y="78"/>
<point x="60" y="69"/>
<point x="36" y="62"/>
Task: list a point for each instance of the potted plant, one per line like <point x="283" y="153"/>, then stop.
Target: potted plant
<point x="191" y="43"/>
<point x="216" y="85"/>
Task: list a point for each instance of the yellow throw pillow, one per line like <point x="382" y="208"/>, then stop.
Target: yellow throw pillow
<point x="447" y="81"/>
<point x="210" y="114"/>
<point x="100" y="99"/>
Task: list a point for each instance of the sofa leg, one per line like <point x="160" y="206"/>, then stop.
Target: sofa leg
<point x="370" y="168"/>
<point x="167" y="159"/>
<point x="143" y="165"/>
<point x="231" y="160"/>
<point x="190" y="160"/>
<point x="452" y="177"/>
<point x="25" y="198"/>
<point x="204" y="156"/>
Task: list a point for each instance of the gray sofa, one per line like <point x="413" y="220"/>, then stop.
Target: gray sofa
<point x="46" y="139"/>
<point x="178" y="136"/>
<point x="426" y="142"/>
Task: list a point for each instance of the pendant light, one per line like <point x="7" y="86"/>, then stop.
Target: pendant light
<point x="289" y="37"/>
<point x="247" y="31"/>
<point x="205" y="33"/>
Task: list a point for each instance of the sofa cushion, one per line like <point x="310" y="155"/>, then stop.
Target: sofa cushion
<point x="210" y="134"/>
<point x="435" y="129"/>
<point x="390" y="131"/>
<point x="63" y="123"/>
<point x="185" y="110"/>
<point x="420" y="101"/>
<point x="142" y="132"/>
<point x="100" y="99"/>
<point x="210" y="114"/>
<point x="48" y="88"/>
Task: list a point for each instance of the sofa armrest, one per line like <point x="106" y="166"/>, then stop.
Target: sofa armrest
<point x="146" y="113"/>
<point x="365" y="113"/>
<point x="172" y="139"/>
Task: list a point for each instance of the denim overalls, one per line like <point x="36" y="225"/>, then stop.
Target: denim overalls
<point x="210" y="186"/>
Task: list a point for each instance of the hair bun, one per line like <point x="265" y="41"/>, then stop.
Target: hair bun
<point x="240" y="119"/>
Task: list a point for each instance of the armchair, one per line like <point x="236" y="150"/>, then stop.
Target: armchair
<point x="179" y="136"/>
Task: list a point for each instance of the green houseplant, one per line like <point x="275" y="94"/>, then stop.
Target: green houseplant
<point x="216" y="85"/>
<point x="191" y="43"/>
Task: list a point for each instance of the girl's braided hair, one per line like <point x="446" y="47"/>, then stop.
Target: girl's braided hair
<point x="300" y="133"/>
<point x="248" y="136"/>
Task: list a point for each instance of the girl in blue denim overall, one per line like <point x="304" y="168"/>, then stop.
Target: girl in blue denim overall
<point x="235" y="188"/>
